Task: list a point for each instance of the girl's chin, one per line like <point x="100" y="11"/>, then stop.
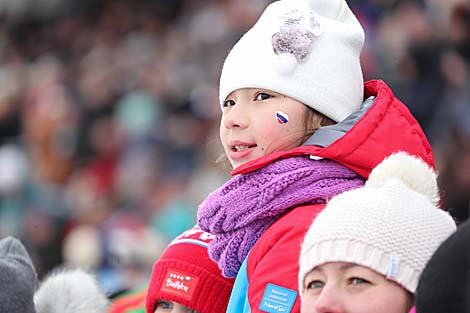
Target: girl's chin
<point x="238" y="163"/>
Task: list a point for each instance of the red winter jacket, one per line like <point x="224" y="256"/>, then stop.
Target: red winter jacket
<point x="267" y="280"/>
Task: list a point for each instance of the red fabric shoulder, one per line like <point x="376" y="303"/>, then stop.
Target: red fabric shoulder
<point x="275" y="256"/>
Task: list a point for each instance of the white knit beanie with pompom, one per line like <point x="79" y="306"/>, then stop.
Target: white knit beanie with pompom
<point x="305" y="49"/>
<point x="392" y="225"/>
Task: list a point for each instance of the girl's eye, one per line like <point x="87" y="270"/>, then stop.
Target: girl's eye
<point x="229" y="103"/>
<point x="358" y="281"/>
<point x="262" y="96"/>
<point x="162" y="304"/>
<point x="315" y="284"/>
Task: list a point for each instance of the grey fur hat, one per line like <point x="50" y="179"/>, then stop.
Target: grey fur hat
<point x="18" y="277"/>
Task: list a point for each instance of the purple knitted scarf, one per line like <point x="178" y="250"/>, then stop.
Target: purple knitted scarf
<point x="245" y="206"/>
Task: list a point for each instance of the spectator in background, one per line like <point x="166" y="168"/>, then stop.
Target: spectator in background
<point x="184" y="279"/>
<point x="64" y="291"/>
<point x="455" y="170"/>
<point x="444" y="285"/>
<point x="449" y="132"/>
<point x="18" y="277"/>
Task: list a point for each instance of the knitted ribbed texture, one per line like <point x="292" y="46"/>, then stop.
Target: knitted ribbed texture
<point x="240" y="211"/>
<point x="212" y="293"/>
<point x="389" y="228"/>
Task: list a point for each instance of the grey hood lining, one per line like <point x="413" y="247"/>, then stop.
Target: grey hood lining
<point x="326" y="135"/>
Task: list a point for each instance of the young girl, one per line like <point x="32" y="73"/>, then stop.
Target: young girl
<point x="366" y="250"/>
<point x="298" y="126"/>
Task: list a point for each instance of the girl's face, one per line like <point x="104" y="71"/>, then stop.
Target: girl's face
<point x="256" y="122"/>
<point x="349" y="288"/>
<point x="165" y="306"/>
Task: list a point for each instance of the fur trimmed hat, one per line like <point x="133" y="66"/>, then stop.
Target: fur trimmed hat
<point x="305" y="49"/>
<point x="444" y="285"/>
<point x="185" y="274"/>
<point x="392" y="225"/>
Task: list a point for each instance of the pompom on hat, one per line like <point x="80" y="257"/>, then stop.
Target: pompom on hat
<point x="305" y="49"/>
<point x="392" y="225"/>
<point x="185" y="274"/>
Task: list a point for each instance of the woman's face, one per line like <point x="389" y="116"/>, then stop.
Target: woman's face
<point x="165" y="306"/>
<point x="256" y="122"/>
<point x="340" y="287"/>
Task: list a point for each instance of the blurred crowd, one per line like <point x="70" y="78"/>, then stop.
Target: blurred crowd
<point x="109" y="116"/>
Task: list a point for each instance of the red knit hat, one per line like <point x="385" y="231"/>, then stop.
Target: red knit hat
<point x="185" y="274"/>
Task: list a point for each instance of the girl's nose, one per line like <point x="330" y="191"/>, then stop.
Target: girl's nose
<point x="236" y="117"/>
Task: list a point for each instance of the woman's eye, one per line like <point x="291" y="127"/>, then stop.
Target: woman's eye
<point x="262" y="96"/>
<point x="315" y="284"/>
<point x="229" y="103"/>
<point x="358" y="281"/>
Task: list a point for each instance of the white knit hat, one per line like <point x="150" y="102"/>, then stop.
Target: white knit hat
<point x="391" y="225"/>
<point x="305" y="49"/>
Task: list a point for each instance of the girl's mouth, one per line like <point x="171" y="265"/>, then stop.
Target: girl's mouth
<point x="240" y="152"/>
<point x="240" y="148"/>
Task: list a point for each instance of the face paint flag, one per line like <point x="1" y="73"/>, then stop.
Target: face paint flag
<point x="281" y="117"/>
